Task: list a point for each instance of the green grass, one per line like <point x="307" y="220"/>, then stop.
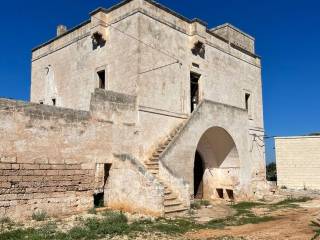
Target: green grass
<point x="5" y="220"/>
<point x="316" y="231"/>
<point x="317" y="235"/>
<point x="116" y="223"/>
<point x="111" y="223"/>
<point x="289" y="203"/>
<point x="39" y="216"/>
<point x="197" y="204"/>
<point x="92" y="211"/>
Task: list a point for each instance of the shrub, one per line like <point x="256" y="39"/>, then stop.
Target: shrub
<point x="195" y="205"/>
<point x="4" y="220"/>
<point x="272" y="171"/>
<point x="92" y="211"/>
<point x="39" y="215"/>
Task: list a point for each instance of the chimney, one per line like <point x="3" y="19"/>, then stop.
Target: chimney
<point x="61" y="29"/>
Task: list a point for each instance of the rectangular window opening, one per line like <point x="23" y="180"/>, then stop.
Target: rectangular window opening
<point x="247" y="99"/>
<point x="220" y="192"/>
<point x="196" y="65"/>
<point x="54" y="101"/>
<point x="41" y="102"/>
<point x="230" y="194"/>
<point x="194" y="90"/>
<point x="102" y="79"/>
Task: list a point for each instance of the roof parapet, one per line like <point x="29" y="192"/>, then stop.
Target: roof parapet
<point x="235" y="36"/>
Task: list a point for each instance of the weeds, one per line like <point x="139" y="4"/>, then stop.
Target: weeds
<point x="5" y="220"/>
<point x="289" y="203"/>
<point x="316" y="230"/>
<point x="92" y="211"/>
<point x="317" y="234"/>
<point x="39" y="216"/>
<point x="197" y="204"/>
<point x="112" y="223"/>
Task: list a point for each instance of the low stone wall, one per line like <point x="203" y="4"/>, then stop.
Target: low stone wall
<point x="40" y="168"/>
<point x="298" y="162"/>
<point x="178" y="185"/>
<point x="134" y="191"/>
<point x="53" y="188"/>
<point x="51" y="158"/>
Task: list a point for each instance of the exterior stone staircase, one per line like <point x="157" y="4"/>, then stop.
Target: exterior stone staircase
<point x="172" y="205"/>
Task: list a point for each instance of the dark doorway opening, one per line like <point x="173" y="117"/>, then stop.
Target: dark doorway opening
<point x="98" y="198"/>
<point x="102" y="79"/>
<point x="198" y="176"/>
<point x="194" y="90"/>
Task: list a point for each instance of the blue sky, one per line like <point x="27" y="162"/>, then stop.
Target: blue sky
<point x="287" y="37"/>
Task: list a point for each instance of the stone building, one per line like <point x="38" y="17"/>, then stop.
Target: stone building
<point x="298" y="162"/>
<point x="139" y="108"/>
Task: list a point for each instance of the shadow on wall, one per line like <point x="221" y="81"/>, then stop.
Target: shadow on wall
<point x="217" y="165"/>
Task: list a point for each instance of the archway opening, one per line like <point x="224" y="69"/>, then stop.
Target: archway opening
<point x="216" y="165"/>
<point x="198" y="172"/>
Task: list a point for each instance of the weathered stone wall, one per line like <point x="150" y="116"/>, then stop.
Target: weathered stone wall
<point x="49" y="157"/>
<point x="41" y="163"/>
<point x="179" y="156"/>
<point x="74" y="63"/>
<point x="298" y="162"/>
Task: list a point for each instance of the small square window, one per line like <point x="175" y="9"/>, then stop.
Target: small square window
<point x="41" y="102"/>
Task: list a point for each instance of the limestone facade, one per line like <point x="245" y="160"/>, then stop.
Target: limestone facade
<point x="139" y="104"/>
<point x="298" y="162"/>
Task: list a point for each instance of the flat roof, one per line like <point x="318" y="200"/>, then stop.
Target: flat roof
<point x="124" y="2"/>
<point x="297" y="137"/>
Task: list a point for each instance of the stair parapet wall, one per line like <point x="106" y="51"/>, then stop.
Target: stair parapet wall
<point x="144" y="193"/>
<point x="180" y="187"/>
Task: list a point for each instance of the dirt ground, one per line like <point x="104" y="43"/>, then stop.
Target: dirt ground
<point x="291" y="223"/>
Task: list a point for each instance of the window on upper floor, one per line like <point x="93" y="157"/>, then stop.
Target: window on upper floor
<point x="102" y="79"/>
<point x="248" y="104"/>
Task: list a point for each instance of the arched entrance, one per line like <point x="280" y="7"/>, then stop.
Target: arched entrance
<point x="216" y="165"/>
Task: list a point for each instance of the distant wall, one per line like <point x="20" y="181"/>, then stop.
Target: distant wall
<point x="298" y="162"/>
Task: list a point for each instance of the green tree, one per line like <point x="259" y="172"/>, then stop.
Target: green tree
<point x="272" y="171"/>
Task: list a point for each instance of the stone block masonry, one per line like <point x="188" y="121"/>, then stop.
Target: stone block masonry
<point x="48" y="156"/>
<point x="298" y="162"/>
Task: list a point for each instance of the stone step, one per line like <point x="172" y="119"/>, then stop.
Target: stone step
<point x="156" y="155"/>
<point x="167" y="191"/>
<point x="162" y="147"/>
<point x="152" y="164"/>
<point x="153" y="167"/>
<point x="175" y="209"/>
<point x="168" y="204"/>
<point x="154" y="171"/>
<point x="159" y="150"/>
<point x="154" y="159"/>
<point x="170" y="197"/>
